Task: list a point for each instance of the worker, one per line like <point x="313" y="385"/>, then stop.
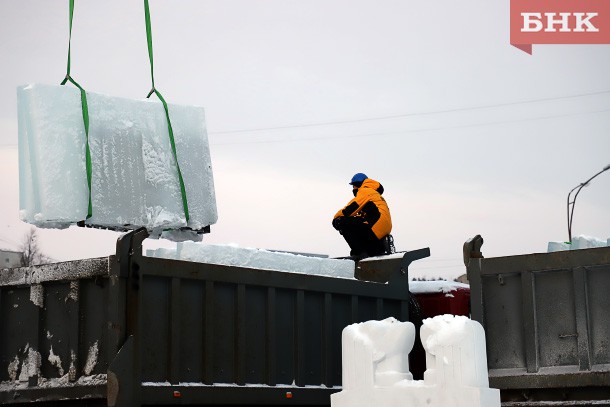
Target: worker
<point x="365" y="221"/>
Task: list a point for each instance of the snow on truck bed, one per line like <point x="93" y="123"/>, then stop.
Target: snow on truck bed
<point x="234" y="255"/>
<point x="229" y="255"/>
<point x="440" y="286"/>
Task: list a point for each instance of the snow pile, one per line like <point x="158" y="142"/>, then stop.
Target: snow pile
<point x="233" y="255"/>
<point x="134" y="177"/>
<point x="438" y="286"/>
<point x="376" y="370"/>
<point x="578" y="242"/>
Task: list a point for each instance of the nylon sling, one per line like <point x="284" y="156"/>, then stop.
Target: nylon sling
<point x="85" y="111"/>
<point x="169" y="124"/>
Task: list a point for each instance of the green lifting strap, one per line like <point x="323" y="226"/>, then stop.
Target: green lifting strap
<point x="85" y="110"/>
<point x="169" y="124"/>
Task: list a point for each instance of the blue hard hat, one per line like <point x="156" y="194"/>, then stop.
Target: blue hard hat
<point x="359" y="177"/>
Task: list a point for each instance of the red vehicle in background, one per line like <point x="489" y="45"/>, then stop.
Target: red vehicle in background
<point x="429" y="299"/>
<point x="441" y="297"/>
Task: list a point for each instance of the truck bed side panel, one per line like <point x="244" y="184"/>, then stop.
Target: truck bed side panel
<point x="546" y="319"/>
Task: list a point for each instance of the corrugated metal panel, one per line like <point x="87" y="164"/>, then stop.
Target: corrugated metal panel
<point x="53" y="327"/>
<point x="217" y="324"/>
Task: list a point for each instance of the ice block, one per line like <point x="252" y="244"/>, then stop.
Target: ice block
<point x="233" y="255"/>
<point x="134" y="175"/>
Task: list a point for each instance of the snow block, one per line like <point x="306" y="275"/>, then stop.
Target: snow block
<point x="375" y="372"/>
<point x="134" y="175"/>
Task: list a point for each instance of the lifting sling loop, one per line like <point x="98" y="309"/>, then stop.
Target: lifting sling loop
<point x="169" y="124"/>
<point x="85" y="110"/>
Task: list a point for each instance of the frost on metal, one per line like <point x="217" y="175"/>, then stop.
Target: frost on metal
<point x="13" y="369"/>
<point x="72" y="370"/>
<point x="95" y="380"/>
<point x="91" y="359"/>
<point x="70" y="270"/>
<point x="20" y="371"/>
<point x="30" y="366"/>
<point x="37" y="294"/>
<point x="43" y="383"/>
<point x="56" y="361"/>
<point x="73" y="294"/>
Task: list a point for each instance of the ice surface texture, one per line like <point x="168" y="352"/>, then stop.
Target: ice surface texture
<point x="233" y="255"/>
<point x="578" y="242"/>
<point x="376" y="369"/>
<point x="376" y="353"/>
<point x="134" y="174"/>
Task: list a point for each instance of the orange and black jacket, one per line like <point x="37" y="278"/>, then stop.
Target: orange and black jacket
<point x="370" y="205"/>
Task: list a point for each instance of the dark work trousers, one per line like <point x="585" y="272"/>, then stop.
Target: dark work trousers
<point x="360" y="237"/>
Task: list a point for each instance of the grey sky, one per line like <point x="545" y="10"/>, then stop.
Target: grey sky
<point x="467" y="134"/>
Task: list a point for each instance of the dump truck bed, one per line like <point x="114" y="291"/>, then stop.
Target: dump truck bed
<point x="547" y="324"/>
<point x="131" y="330"/>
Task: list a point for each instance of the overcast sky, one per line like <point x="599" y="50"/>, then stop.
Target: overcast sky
<point x="468" y="134"/>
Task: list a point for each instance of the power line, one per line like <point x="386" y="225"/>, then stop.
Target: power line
<point x="438" y="267"/>
<point x="403" y="132"/>
<point x="398" y="116"/>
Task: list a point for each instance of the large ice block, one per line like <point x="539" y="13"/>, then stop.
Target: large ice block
<point x="587" y="242"/>
<point x="134" y="174"/>
<point x="233" y="255"/>
<point x="578" y="242"/>
<point x="52" y="175"/>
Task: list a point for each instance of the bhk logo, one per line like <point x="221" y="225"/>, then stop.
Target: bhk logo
<point x="559" y="22"/>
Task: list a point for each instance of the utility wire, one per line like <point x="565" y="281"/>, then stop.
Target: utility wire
<point x="403" y="132"/>
<point x="398" y="116"/>
<point x="439" y="267"/>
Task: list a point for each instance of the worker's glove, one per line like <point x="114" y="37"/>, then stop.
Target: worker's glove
<point x="337" y="223"/>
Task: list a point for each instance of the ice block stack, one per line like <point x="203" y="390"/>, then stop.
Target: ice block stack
<point x="233" y="255"/>
<point x="578" y="242"/>
<point x="134" y="175"/>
